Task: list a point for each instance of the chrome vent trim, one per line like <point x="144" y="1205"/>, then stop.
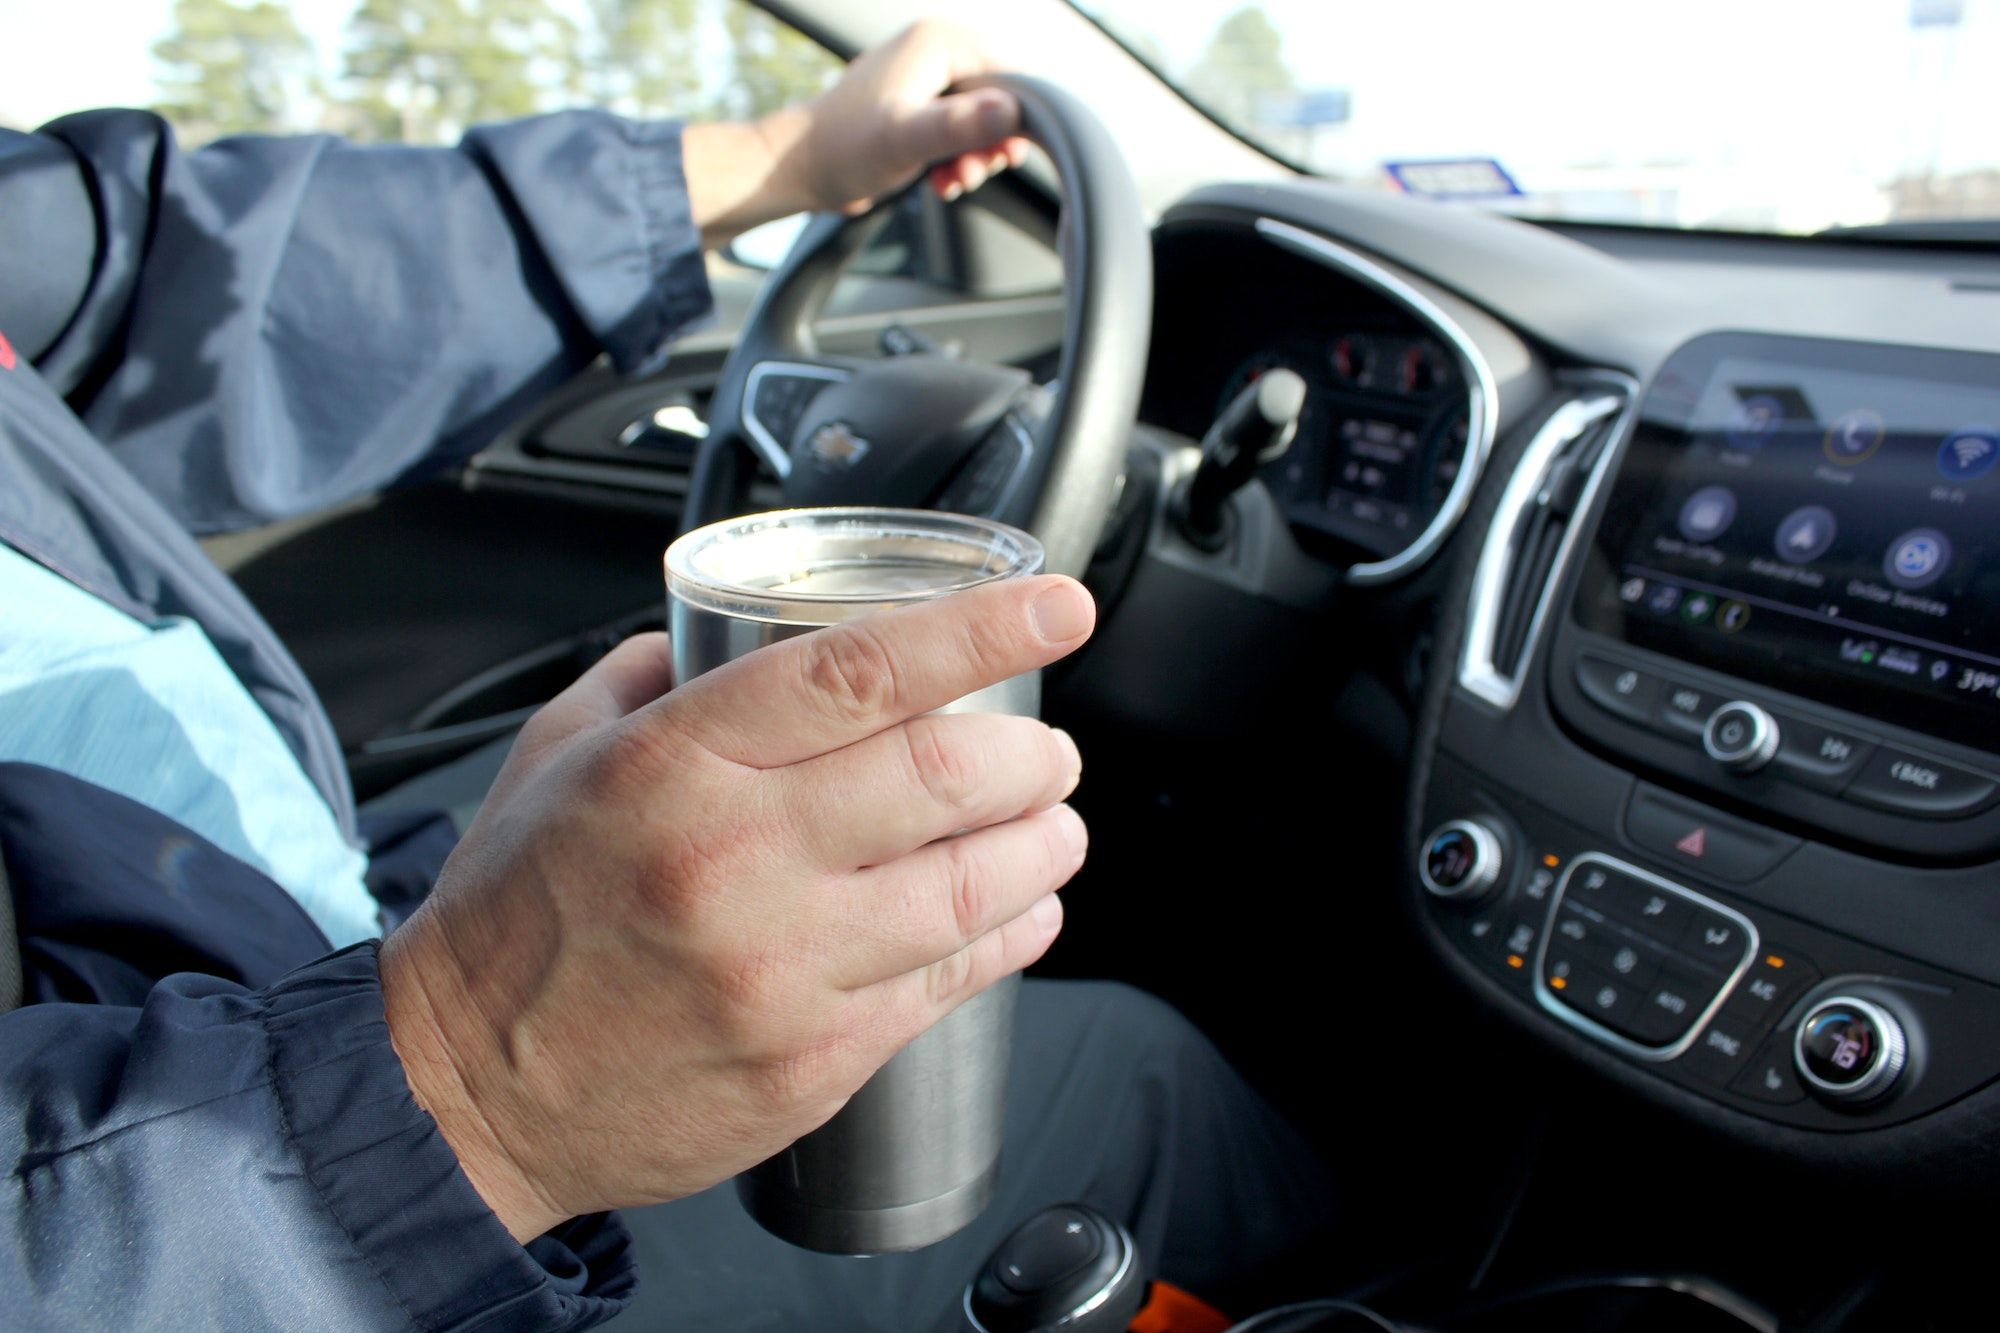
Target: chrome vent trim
<point x="1499" y="683"/>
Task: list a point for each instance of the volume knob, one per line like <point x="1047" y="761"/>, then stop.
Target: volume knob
<point x="1741" y="736"/>
<point x="1461" y="860"/>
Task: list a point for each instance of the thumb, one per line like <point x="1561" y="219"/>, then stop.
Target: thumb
<point x="951" y="126"/>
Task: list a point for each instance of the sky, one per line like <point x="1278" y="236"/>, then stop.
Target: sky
<point x="1782" y="95"/>
<point x="70" y="55"/>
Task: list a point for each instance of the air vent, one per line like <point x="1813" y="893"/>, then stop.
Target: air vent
<point x="1533" y="530"/>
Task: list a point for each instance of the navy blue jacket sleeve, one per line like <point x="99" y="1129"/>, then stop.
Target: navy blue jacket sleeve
<point x="221" y="1157"/>
<point x="273" y="325"/>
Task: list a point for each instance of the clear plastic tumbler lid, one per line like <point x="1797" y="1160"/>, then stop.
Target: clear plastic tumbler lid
<point x="823" y="566"/>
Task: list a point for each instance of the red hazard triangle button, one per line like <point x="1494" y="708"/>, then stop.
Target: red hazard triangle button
<point x="1694" y="844"/>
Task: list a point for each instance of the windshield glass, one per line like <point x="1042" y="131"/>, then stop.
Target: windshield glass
<point x="1771" y="115"/>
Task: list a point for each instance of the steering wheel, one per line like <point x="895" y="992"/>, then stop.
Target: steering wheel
<point x="926" y="431"/>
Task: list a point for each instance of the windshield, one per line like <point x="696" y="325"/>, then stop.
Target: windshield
<point x="1770" y="115"/>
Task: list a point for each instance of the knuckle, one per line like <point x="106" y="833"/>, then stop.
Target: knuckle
<point x="946" y="767"/>
<point x="970" y="887"/>
<point x="807" y="1075"/>
<point x="852" y="673"/>
<point x="949" y="979"/>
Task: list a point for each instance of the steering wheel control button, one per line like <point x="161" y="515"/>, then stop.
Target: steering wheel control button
<point x="1849" y="1050"/>
<point x="1770" y="1077"/>
<point x="1705" y="841"/>
<point x="1625" y="691"/>
<point x="1461" y="861"/>
<point x="1914" y="784"/>
<point x="1741" y="737"/>
<point x="1820" y="756"/>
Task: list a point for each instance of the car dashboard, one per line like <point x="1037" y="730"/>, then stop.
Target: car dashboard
<point x="1705" y="776"/>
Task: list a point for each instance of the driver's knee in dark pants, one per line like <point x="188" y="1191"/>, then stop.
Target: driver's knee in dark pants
<point x="1114" y="1100"/>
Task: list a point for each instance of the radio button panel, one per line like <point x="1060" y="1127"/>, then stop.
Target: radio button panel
<point x="1811" y="755"/>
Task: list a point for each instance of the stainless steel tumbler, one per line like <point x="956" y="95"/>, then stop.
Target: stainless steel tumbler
<point x="914" y="1155"/>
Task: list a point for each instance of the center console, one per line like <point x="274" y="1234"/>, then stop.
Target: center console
<point x="1713" y="793"/>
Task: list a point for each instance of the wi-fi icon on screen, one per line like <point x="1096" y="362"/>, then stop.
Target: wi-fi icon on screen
<point x="1969" y="453"/>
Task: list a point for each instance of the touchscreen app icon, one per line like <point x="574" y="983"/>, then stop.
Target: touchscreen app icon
<point x="1708" y="513"/>
<point x="1918" y="558"/>
<point x="1806" y="534"/>
<point x="1855" y="436"/>
<point x="1757" y="419"/>
<point x="1969" y="453"/>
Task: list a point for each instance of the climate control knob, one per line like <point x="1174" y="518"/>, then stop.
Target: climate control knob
<point x="1461" y="861"/>
<point x="1849" y="1050"/>
<point x="1741" y="736"/>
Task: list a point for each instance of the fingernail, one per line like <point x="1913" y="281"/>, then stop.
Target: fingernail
<point x="1063" y="612"/>
<point x="1074" y="832"/>
<point x="1068" y="743"/>
<point x="975" y="176"/>
<point x="952" y="192"/>
<point x="1047" y="913"/>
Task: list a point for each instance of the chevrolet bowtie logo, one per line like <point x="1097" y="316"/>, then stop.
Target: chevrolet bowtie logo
<point x="836" y="447"/>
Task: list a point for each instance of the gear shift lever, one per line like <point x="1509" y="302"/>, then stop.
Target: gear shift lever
<point x="1067" y="1268"/>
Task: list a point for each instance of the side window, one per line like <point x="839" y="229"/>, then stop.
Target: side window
<point x="422" y="71"/>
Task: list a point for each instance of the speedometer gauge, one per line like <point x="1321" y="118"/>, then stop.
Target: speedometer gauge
<point x="1356" y="359"/>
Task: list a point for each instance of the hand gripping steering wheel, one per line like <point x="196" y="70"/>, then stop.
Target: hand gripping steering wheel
<point x="926" y="431"/>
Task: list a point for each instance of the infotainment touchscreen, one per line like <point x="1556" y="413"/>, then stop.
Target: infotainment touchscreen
<point x="1820" y="517"/>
